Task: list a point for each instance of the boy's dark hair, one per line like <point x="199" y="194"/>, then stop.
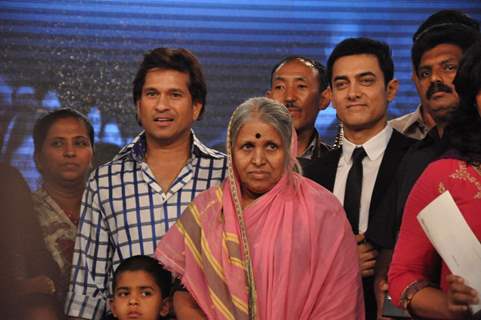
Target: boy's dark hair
<point x="316" y="65"/>
<point x="162" y="277"/>
<point x="181" y="60"/>
<point x="444" y="27"/>
<point x="43" y="124"/>
<point x="355" y="46"/>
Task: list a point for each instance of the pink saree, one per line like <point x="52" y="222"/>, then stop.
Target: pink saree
<point x="290" y="254"/>
<point x="303" y="254"/>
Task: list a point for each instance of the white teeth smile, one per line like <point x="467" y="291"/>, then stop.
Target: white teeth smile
<point x="162" y="119"/>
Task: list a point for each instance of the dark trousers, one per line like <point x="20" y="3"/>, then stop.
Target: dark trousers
<point x="369" y="298"/>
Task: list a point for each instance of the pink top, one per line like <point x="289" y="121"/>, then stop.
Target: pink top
<point x="415" y="259"/>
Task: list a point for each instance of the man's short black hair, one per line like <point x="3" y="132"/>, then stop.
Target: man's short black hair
<point x="444" y="27"/>
<point x="355" y="46"/>
<point x="316" y="65"/>
<point x="181" y="60"/>
<point x="445" y="17"/>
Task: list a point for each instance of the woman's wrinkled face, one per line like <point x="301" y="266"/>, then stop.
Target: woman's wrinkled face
<point x="66" y="154"/>
<point x="259" y="158"/>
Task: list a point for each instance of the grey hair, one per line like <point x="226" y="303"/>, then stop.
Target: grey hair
<point x="269" y="112"/>
<point x="276" y="115"/>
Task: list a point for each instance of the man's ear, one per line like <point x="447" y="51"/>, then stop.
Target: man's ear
<point x="329" y="94"/>
<point x="196" y="109"/>
<point x="165" y="306"/>
<point x="392" y="88"/>
<point x="325" y="99"/>
<point x="268" y="94"/>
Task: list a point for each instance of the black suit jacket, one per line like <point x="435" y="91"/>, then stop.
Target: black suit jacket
<point x="323" y="170"/>
<point x="385" y="226"/>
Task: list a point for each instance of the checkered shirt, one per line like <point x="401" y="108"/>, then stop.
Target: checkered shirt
<point x="125" y="213"/>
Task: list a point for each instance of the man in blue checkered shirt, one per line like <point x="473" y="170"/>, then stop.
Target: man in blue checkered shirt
<point x="130" y="202"/>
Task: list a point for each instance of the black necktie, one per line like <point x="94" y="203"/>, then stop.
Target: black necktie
<point x="352" y="196"/>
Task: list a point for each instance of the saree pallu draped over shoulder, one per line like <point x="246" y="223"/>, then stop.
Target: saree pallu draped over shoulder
<point x="302" y="251"/>
<point x="204" y="249"/>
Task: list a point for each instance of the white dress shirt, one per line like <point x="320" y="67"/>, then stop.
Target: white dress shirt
<point x="374" y="148"/>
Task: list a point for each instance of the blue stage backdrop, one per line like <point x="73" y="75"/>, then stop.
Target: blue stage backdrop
<point x="83" y="54"/>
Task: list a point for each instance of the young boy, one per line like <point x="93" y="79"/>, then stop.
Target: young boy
<point x="141" y="288"/>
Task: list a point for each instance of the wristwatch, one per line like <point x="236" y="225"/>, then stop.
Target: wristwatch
<point x="411" y="290"/>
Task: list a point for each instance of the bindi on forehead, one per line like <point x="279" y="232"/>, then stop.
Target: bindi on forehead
<point x="258" y="135"/>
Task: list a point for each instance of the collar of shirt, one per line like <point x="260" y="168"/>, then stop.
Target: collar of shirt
<point x="417" y="121"/>
<point x="412" y="122"/>
<point x="309" y="151"/>
<point x="374" y="147"/>
<point x="138" y="147"/>
<point x="315" y="148"/>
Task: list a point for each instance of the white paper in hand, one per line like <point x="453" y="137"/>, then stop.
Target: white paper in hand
<point x="453" y="239"/>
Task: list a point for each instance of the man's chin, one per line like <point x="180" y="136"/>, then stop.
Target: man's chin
<point x="443" y="115"/>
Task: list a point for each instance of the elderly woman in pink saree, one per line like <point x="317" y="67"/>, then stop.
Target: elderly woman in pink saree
<point x="267" y="243"/>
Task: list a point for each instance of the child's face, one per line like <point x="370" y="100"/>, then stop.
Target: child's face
<point x="137" y="296"/>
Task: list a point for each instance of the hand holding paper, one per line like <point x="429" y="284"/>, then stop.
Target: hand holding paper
<point x="453" y="239"/>
<point x="460" y="295"/>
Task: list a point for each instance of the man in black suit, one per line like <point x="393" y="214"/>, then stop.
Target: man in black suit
<point x="360" y="73"/>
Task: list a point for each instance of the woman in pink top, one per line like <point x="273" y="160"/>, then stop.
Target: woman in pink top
<point x="267" y="243"/>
